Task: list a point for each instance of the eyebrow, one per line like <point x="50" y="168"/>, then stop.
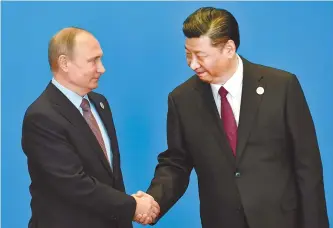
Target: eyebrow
<point x="96" y="57"/>
<point x="195" y="51"/>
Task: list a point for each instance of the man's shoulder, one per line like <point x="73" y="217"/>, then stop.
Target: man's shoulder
<point x="40" y="105"/>
<point x="40" y="111"/>
<point x="267" y="71"/>
<point x="185" y="87"/>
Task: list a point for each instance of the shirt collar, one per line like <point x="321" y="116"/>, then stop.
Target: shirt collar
<point x="75" y="98"/>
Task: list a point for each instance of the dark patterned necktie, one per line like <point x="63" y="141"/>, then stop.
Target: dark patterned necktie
<point x="88" y="116"/>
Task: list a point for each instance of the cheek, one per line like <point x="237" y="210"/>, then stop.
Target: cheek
<point x="93" y="70"/>
<point x="88" y="72"/>
<point x="93" y="67"/>
<point x="208" y="65"/>
<point x="218" y="66"/>
<point x="74" y="75"/>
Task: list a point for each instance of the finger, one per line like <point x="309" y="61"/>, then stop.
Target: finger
<point x="148" y="220"/>
<point x="156" y="205"/>
<point x="140" y="194"/>
<point x="138" y="217"/>
<point x="156" y="210"/>
<point x="153" y="216"/>
<point x="143" y="218"/>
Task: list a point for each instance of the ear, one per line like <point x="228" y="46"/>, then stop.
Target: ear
<point x="63" y="63"/>
<point x="230" y="48"/>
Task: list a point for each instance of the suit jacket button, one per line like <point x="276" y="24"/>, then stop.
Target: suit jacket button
<point x="237" y="174"/>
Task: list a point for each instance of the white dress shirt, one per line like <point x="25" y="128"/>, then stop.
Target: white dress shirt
<point x="234" y="88"/>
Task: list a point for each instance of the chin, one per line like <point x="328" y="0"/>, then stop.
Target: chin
<point x="206" y="79"/>
<point x="94" y="85"/>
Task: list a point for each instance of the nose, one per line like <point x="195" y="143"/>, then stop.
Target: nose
<point x="194" y="64"/>
<point x="101" y="68"/>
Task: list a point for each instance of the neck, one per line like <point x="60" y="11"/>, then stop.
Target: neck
<point x="61" y="79"/>
<point x="226" y="75"/>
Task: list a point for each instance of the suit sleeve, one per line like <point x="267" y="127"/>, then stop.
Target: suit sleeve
<point x="174" y="167"/>
<point x="307" y="160"/>
<point x="50" y="153"/>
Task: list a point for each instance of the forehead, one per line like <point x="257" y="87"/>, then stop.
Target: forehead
<point x="201" y="44"/>
<point x="87" y="45"/>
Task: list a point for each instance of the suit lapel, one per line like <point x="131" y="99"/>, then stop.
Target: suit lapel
<point x="250" y="103"/>
<point x="73" y="115"/>
<point x="211" y="118"/>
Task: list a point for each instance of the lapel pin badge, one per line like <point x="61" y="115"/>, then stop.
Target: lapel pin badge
<point x="260" y="90"/>
<point x="101" y="104"/>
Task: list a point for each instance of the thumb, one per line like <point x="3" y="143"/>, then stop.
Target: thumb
<point x="140" y="194"/>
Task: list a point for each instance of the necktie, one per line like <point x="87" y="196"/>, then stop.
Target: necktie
<point x="88" y="116"/>
<point x="228" y="119"/>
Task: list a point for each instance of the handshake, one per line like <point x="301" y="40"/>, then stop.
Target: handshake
<point x="147" y="209"/>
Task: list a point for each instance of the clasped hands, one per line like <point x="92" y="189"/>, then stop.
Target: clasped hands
<point x="147" y="209"/>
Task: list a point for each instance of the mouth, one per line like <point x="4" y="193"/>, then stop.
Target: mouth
<point x="200" y="73"/>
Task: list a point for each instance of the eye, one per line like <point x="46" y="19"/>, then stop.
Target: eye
<point x="202" y="57"/>
<point x="94" y="60"/>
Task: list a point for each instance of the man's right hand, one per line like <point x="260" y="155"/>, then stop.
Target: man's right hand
<point x="147" y="209"/>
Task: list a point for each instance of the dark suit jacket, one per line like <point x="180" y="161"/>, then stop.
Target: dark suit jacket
<point x="276" y="179"/>
<point x="73" y="186"/>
